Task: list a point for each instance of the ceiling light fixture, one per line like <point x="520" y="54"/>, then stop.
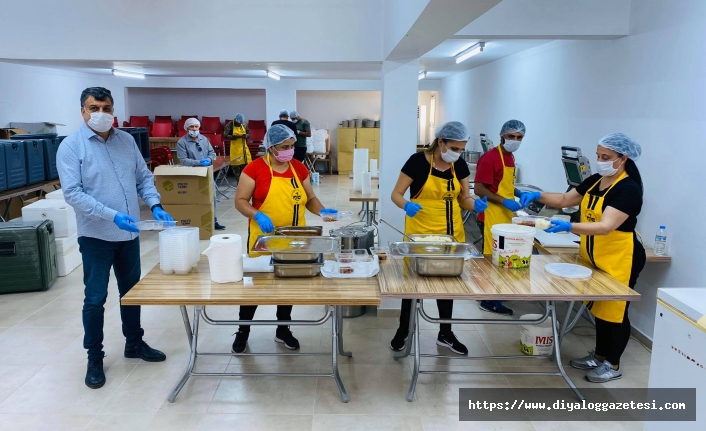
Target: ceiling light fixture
<point x="125" y="74"/>
<point x="273" y="75"/>
<point x="422" y="75"/>
<point x="470" y="52"/>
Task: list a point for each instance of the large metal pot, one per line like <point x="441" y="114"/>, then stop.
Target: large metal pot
<point x="355" y="236"/>
<point x="471" y="156"/>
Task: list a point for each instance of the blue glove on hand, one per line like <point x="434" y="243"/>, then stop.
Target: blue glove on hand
<point x="264" y="222"/>
<point x="411" y="208"/>
<point x="161" y="215"/>
<point x="125" y="222"/>
<point x="205" y="162"/>
<point x="560" y="226"/>
<point x="480" y="205"/>
<point x="512" y="205"/>
<point x="529" y="197"/>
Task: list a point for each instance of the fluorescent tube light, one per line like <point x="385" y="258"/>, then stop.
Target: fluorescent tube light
<point x="125" y="74"/>
<point x="273" y="75"/>
<point x="422" y="75"/>
<point x="470" y="52"/>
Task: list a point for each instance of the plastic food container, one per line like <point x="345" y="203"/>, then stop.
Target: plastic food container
<point x="329" y="215"/>
<point x="154" y="224"/>
<point x="380" y="252"/>
<point x="539" y="222"/>
<point x="353" y="256"/>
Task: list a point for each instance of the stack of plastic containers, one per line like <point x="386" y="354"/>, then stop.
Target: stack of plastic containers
<point x="179" y="250"/>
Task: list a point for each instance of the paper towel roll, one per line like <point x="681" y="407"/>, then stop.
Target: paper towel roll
<point x="225" y="259"/>
<point x="366" y="185"/>
<point x="374" y="167"/>
<point x="360" y="164"/>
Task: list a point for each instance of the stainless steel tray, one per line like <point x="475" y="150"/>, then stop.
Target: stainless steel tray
<point x="290" y="258"/>
<point x="297" y="244"/>
<point x="298" y="270"/>
<point x="433" y="249"/>
<point x="438" y="266"/>
<point x="417" y="237"/>
<point x="299" y="230"/>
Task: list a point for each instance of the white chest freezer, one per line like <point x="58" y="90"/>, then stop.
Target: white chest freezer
<point x="679" y="350"/>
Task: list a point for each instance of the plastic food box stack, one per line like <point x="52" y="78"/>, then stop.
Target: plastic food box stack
<point x="179" y="250"/>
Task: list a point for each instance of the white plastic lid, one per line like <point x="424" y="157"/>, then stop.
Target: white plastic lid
<point x="569" y="270"/>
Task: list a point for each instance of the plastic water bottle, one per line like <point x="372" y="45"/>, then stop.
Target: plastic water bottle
<point x="661" y="241"/>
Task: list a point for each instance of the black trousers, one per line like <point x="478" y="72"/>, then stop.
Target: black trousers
<point x="445" y="306"/>
<point x="247" y="312"/>
<point x="300" y="153"/>
<point x="612" y="338"/>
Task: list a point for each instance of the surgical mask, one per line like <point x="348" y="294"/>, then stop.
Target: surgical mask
<point x="284" y="155"/>
<point x="511" y="146"/>
<point x="606" y="169"/>
<point x="294" y="120"/>
<point x="450" y="156"/>
<point x="100" y="122"/>
<point x="193" y="133"/>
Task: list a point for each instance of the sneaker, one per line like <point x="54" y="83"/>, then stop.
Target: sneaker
<point x="284" y="336"/>
<point x="604" y="372"/>
<point x="449" y="340"/>
<point x="587" y="362"/>
<point x="218" y="226"/>
<point x="399" y="340"/>
<point x="95" y="377"/>
<point x="143" y="351"/>
<point x="240" y="344"/>
<point x="495" y="307"/>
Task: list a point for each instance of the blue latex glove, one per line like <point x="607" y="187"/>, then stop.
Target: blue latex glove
<point x="529" y="197"/>
<point x="205" y="162"/>
<point x="512" y="205"/>
<point x="161" y="215"/>
<point x="480" y="205"/>
<point x="560" y="226"/>
<point x="125" y="222"/>
<point x="411" y="208"/>
<point x="264" y="222"/>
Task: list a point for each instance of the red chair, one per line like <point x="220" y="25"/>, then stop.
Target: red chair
<point x="168" y="151"/>
<point x="138" y="121"/>
<point x="162" y="130"/>
<point x="257" y="136"/>
<point x="216" y="140"/>
<point x="160" y="156"/>
<point x="257" y="124"/>
<point x="180" y="127"/>
<point x="211" y="125"/>
<point x="254" y="148"/>
<point x="115" y="122"/>
<point x="162" y="118"/>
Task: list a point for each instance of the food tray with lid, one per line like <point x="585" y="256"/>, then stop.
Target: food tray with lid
<point x="299" y="230"/>
<point x="296" y="248"/>
<point x="298" y="270"/>
<point x="538" y="222"/>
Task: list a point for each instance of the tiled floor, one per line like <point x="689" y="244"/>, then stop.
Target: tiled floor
<point x="42" y="366"/>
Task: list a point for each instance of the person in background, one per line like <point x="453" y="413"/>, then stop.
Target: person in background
<point x="102" y="173"/>
<point x="495" y="180"/>
<point x="610" y="202"/>
<point x="274" y="191"/>
<point x="284" y="120"/>
<point x="438" y="184"/>
<point x="237" y="133"/>
<point x="194" y="149"/>
<point x="303" y="131"/>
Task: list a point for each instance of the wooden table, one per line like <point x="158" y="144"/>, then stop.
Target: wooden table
<point x="559" y="251"/>
<point x="366" y="199"/>
<point x="197" y="289"/>
<point x="483" y="281"/>
<point x="170" y="142"/>
<point x="19" y="192"/>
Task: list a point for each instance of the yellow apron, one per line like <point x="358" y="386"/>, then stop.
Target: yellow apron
<point x="611" y="253"/>
<point x="285" y="205"/>
<point x="498" y="214"/>
<point x="239" y="152"/>
<point x="440" y="213"/>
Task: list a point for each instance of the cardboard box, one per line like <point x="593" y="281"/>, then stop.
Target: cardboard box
<point x="7" y="133"/>
<point x="184" y="185"/>
<point x="38" y="127"/>
<point x="200" y="216"/>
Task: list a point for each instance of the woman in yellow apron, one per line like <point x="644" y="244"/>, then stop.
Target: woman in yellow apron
<point x="610" y="203"/>
<point x="274" y="191"/>
<point x="495" y="179"/>
<point x="438" y="183"/>
<point x="237" y="132"/>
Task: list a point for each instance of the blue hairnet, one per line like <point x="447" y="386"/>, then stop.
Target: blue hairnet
<point x="621" y="143"/>
<point x="240" y="118"/>
<point x="293" y="113"/>
<point x="453" y="130"/>
<point x="512" y="126"/>
<point x="277" y="134"/>
<point x="283" y="113"/>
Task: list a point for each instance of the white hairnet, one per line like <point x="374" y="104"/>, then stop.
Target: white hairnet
<point x="513" y="126"/>
<point x="277" y="134"/>
<point x="240" y="118"/>
<point x="453" y="130"/>
<point x="293" y="113"/>
<point x="621" y="143"/>
<point x="190" y="122"/>
<point x="283" y="113"/>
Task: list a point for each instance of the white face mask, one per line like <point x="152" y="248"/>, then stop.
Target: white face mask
<point x="193" y="133"/>
<point x="100" y="122"/>
<point x="450" y="156"/>
<point x="511" y="146"/>
<point x="606" y="169"/>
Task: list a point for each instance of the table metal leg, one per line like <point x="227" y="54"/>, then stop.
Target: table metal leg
<point x="417" y="350"/>
<point x="339" y="319"/>
<point x="192" y="357"/>
<point x="367" y="214"/>
<point x="334" y="355"/>
<point x="557" y="351"/>
<point x="412" y="323"/>
<point x="223" y="176"/>
<point x="187" y="324"/>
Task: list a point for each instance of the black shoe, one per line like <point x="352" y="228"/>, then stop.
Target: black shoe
<point x="449" y="340"/>
<point x="95" y="377"/>
<point x="219" y="226"/>
<point x="142" y="351"/>
<point x="285" y="337"/>
<point x="240" y="344"/>
<point x="399" y="340"/>
<point x="496" y="307"/>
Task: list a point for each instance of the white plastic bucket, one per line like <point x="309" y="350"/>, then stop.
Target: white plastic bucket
<point x="536" y="340"/>
<point x="512" y="245"/>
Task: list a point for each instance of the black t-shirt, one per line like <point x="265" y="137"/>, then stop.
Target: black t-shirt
<point x="626" y="196"/>
<point x="288" y="124"/>
<point x="417" y="168"/>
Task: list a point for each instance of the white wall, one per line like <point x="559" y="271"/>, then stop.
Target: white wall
<point x="648" y="85"/>
<point x="210" y="102"/>
<point x="399" y="16"/>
